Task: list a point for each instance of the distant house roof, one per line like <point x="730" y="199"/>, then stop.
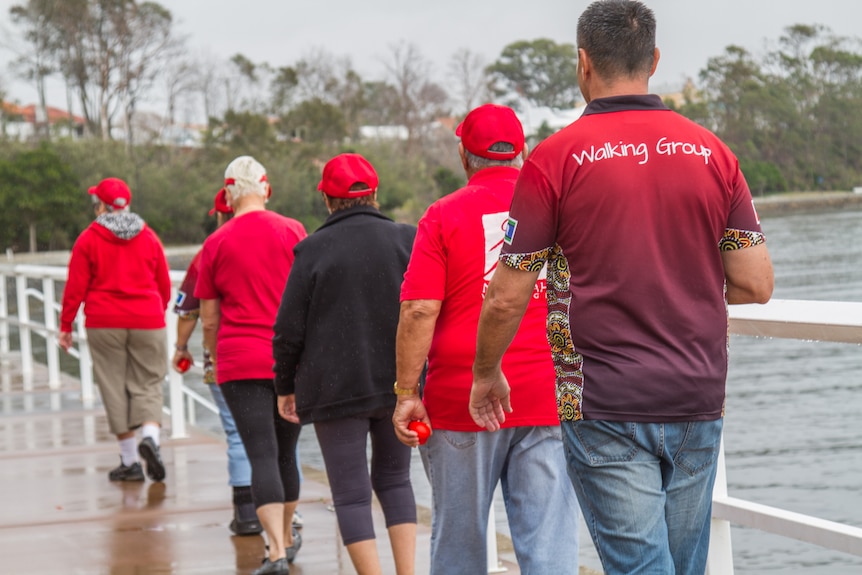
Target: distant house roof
<point x="383" y="132"/>
<point x="28" y="113"/>
<point x="533" y="118"/>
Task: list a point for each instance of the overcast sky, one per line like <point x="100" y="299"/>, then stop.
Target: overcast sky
<point x="281" y="31"/>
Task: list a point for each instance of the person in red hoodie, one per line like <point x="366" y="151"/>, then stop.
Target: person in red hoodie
<point x="118" y="270"/>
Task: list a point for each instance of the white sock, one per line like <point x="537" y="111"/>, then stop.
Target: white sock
<point x="151" y="430"/>
<point x="128" y="451"/>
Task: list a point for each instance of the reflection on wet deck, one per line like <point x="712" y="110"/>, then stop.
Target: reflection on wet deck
<point x="60" y="514"/>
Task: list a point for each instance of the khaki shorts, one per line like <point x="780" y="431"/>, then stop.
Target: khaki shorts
<point x="129" y="366"/>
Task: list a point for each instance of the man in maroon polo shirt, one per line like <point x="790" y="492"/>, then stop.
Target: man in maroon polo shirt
<point x="648" y="230"/>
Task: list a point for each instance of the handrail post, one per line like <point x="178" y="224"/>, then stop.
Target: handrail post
<point x="175" y="380"/>
<point x="4" y="318"/>
<point x="720" y="559"/>
<point x="24" y="328"/>
<point x="85" y="363"/>
<point x="52" y="351"/>
<point x="491" y="543"/>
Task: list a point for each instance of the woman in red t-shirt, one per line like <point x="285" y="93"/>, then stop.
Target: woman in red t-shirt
<point x="243" y="269"/>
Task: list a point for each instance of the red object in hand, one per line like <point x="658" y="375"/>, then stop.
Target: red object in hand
<point x="184" y="364"/>
<point x="421" y="429"/>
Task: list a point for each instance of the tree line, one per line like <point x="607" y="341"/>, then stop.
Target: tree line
<point x="792" y="116"/>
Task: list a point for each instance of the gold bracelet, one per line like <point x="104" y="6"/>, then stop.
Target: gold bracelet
<point x="402" y="391"/>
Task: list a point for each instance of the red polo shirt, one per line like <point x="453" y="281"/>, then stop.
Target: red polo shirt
<point x="454" y="257"/>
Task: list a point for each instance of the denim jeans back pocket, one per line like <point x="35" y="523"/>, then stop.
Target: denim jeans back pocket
<point x="605" y="441"/>
<point x="699" y="448"/>
<point x="552" y="431"/>
<point x="458" y="439"/>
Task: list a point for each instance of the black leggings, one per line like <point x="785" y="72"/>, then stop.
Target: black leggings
<point x="269" y="440"/>
<point x="343" y="443"/>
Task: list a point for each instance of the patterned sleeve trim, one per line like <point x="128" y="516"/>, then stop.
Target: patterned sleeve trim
<point x="531" y="262"/>
<point x="738" y="239"/>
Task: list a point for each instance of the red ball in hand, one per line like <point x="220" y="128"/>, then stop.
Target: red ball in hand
<point x="183" y="364"/>
<point x="421" y="429"/>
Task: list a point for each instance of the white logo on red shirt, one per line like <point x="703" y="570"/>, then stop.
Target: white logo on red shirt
<point x="496" y="228"/>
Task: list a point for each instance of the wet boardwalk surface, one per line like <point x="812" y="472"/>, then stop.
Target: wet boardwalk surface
<point x="60" y="514"/>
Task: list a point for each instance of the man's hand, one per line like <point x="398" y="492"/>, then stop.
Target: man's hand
<point x="178" y="355"/>
<point x="409" y="408"/>
<point x="65" y="340"/>
<point x="287" y="408"/>
<point x="489" y="401"/>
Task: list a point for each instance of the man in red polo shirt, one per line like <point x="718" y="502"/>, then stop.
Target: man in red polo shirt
<point x="454" y="257"/>
<point x="648" y="231"/>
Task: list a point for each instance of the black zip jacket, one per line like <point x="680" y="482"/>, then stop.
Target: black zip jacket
<point x="334" y="342"/>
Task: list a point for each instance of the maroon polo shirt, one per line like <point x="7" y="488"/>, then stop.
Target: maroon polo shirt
<point x="631" y="206"/>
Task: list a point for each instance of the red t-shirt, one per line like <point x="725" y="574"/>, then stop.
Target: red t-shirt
<point x="454" y="257"/>
<point x="244" y="264"/>
<point x="123" y="283"/>
<point x="630" y="207"/>
<point x="186" y="302"/>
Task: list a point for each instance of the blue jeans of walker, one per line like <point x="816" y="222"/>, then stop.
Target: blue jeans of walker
<point x="529" y="462"/>
<point x="238" y="467"/>
<point x="645" y="491"/>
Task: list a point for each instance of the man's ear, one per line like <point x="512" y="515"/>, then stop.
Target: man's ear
<point x="585" y="72"/>
<point x="462" y="153"/>
<point x="655" y="58"/>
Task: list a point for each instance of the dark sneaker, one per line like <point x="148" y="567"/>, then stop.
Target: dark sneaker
<point x="290" y="552"/>
<point x="131" y="472"/>
<point x="149" y="451"/>
<point x="277" y="567"/>
<point x="297" y="520"/>
<point x="245" y="521"/>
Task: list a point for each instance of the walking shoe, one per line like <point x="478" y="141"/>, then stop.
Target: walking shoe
<point x="245" y="521"/>
<point x="277" y="567"/>
<point x="290" y="552"/>
<point x="131" y="472"/>
<point x="297" y="520"/>
<point x="149" y="451"/>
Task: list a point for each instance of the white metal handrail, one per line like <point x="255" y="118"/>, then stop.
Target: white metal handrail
<point x="182" y="400"/>
<point x="789" y="319"/>
<point x="793" y="319"/>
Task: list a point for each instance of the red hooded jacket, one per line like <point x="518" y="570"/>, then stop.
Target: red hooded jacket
<point x="118" y="270"/>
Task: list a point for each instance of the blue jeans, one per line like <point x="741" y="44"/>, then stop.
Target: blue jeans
<point x="238" y="467"/>
<point x="529" y="462"/>
<point x="645" y="491"/>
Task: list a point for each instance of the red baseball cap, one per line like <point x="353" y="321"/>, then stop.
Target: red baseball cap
<point x="114" y="192"/>
<point x="221" y="203"/>
<point x="487" y="125"/>
<point x="343" y="171"/>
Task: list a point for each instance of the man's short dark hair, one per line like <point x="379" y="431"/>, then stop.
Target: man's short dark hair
<point x="337" y="204"/>
<point x="619" y="37"/>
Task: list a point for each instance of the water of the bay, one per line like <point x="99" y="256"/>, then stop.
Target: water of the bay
<point x="793" y="435"/>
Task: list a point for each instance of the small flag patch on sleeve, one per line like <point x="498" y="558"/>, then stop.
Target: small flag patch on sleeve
<point x="509" y="233"/>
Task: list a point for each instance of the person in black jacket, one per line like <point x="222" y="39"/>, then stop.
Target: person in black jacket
<point x="334" y="350"/>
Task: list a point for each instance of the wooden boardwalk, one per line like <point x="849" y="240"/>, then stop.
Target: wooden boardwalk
<point x="60" y="514"/>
